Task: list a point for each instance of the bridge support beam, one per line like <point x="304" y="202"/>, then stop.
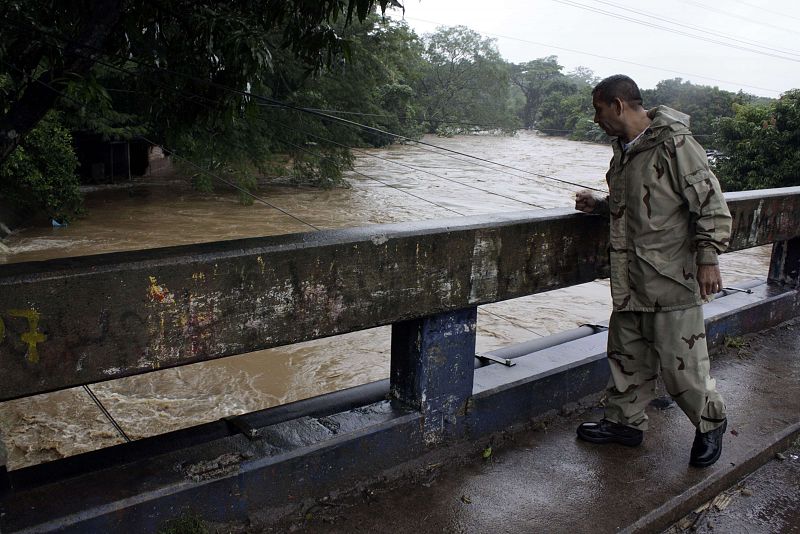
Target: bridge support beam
<point x="432" y="369"/>
<point x="785" y="264"/>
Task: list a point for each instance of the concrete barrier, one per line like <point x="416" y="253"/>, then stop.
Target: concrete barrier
<point x="82" y="320"/>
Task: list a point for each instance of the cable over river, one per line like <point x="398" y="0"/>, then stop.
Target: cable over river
<point x="428" y="184"/>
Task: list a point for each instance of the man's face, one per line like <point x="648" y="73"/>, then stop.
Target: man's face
<point x="607" y="116"/>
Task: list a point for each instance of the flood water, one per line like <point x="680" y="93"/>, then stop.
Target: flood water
<point x="399" y="183"/>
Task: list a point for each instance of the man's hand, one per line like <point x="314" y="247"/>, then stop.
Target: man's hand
<point x="709" y="279"/>
<point x="585" y="201"/>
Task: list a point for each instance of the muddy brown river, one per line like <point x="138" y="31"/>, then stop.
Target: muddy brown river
<point x="400" y="183"/>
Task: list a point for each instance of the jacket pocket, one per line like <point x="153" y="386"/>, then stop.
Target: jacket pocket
<point x="672" y="260"/>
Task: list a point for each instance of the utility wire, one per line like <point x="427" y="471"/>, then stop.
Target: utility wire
<point x="762" y="8"/>
<point x="231" y="184"/>
<point x="736" y="16"/>
<point x="107" y="414"/>
<point x="86" y="387"/>
<point x="289" y="143"/>
<point x="415" y="169"/>
<point x="261" y="98"/>
<point x="175" y="154"/>
<point x="343" y="146"/>
<point x="422" y="143"/>
<point x="583" y="52"/>
<point x="619" y="16"/>
<point x="696" y="28"/>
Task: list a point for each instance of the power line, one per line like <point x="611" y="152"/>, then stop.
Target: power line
<point x="734" y="15"/>
<point x="86" y="387"/>
<point x="107" y="414"/>
<point x="415" y="169"/>
<point x="618" y="16"/>
<point x="173" y="153"/>
<point x="697" y="28"/>
<point x="628" y="62"/>
<point x="379" y="181"/>
<point x="762" y="8"/>
<point x="261" y="98"/>
<point x="229" y="183"/>
<point x="353" y="149"/>
<point x="422" y="143"/>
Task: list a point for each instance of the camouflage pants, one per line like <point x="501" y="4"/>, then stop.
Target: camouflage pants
<point x="642" y="344"/>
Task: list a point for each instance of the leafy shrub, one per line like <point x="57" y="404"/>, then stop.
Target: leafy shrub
<point x="39" y="176"/>
<point x="760" y="145"/>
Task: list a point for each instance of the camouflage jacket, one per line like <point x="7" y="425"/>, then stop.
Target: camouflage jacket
<point x="667" y="215"/>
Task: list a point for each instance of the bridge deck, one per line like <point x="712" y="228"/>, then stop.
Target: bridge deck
<point x="544" y="480"/>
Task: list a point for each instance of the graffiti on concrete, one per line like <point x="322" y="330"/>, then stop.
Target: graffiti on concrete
<point x="32" y="337"/>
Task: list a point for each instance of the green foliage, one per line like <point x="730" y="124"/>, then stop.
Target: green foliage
<point x="322" y="168"/>
<point x="539" y="80"/>
<point x="40" y="174"/>
<point x="760" y="143"/>
<point x="164" y="68"/>
<point x="702" y="103"/>
<point x="465" y="83"/>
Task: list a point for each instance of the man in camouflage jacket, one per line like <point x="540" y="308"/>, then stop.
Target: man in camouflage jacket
<point x="668" y="222"/>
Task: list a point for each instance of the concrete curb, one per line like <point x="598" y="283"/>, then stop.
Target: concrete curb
<point x="673" y="510"/>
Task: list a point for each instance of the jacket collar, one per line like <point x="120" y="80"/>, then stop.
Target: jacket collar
<point x="666" y="124"/>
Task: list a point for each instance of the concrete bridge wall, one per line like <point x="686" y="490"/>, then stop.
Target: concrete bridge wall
<point x="83" y="320"/>
<point x="77" y="321"/>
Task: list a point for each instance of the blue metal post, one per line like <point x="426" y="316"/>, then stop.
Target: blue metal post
<point x="432" y="369"/>
<point x="785" y="264"/>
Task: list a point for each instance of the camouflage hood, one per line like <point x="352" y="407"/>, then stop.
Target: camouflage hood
<point x="666" y="124"/>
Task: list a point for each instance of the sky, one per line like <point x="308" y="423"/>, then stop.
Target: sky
<point x="757" y="46"/>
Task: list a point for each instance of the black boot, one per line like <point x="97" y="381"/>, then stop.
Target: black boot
<point x="605" y="431"/>
<point x="707" y="446"/>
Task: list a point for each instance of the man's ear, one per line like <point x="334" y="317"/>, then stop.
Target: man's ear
<point x="618" y="105"/>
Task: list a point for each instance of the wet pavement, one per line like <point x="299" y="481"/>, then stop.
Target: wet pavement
<point x="765" y="502"/>
<point x="541" y="479"/>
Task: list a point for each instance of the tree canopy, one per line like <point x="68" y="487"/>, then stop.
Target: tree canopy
<point x="222" y="85"/>
<point x="760" y="144"/>
<point x="51" y="47"/>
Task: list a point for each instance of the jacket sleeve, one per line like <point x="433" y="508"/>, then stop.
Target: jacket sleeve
<point x="601" y="206"/>
<point x="701" y="190"/>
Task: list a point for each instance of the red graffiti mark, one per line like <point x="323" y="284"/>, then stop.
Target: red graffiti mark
<point x="157" y="293"/>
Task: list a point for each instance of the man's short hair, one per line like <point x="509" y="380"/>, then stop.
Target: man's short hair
<point x="617" y="86"/>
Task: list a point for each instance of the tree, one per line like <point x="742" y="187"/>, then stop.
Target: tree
<point x="537" y="79"/>
<point x="52" y="45"/>
<point x="465" y="81"/>
<point x="702" y="103"/>
<point x="760" y="144"/>
<point x="40" y="174"/>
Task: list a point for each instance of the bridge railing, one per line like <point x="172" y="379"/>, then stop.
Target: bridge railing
<point x="77" y="321"/>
